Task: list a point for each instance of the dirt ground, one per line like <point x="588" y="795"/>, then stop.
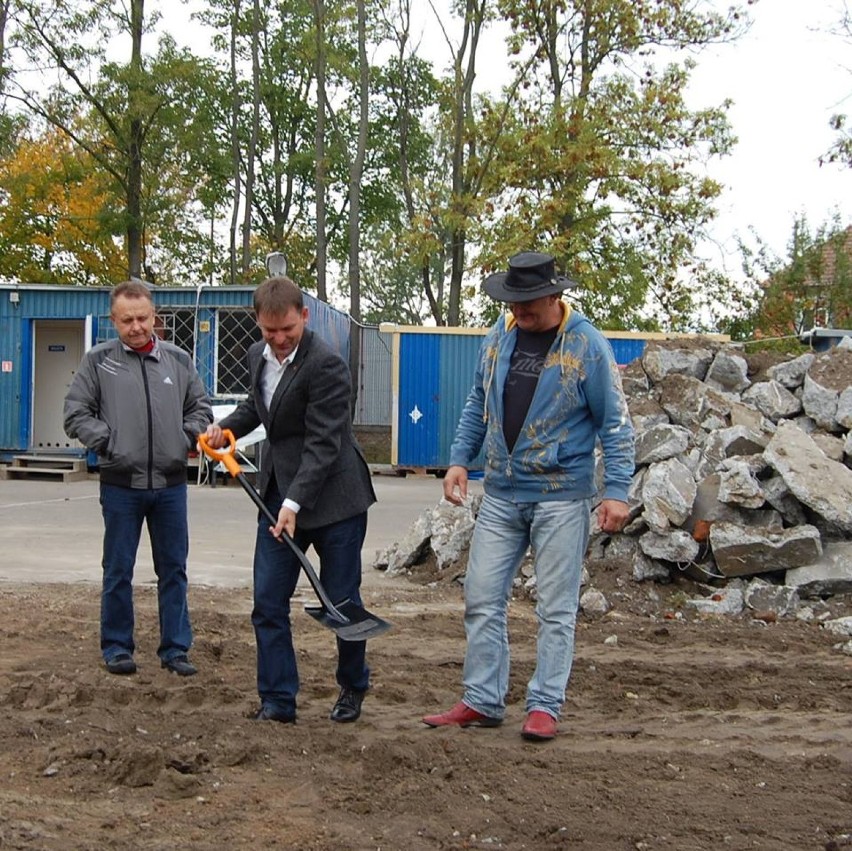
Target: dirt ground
<point x="680" y="732"/>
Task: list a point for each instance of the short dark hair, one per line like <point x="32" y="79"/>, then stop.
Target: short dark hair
<point x="277" y="296"/>
<point x="130" y="289"/>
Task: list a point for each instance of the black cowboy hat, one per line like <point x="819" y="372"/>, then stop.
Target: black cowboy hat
<point x="531" y="275"/>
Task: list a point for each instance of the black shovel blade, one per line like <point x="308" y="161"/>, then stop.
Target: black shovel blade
<point x="350" y="621"/>
<point x="361" y="624"/>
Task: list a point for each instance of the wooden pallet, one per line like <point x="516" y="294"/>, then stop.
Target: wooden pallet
<point x="34" y="466"/>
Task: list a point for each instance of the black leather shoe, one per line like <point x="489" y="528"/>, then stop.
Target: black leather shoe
<point x="179" y="665"/>
<point x="348" y="706"/>
<point x="267" y="713"/>
<point x="121" y="664"/>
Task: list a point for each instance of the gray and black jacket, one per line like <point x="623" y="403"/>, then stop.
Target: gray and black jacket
<point x="142" y="414"/>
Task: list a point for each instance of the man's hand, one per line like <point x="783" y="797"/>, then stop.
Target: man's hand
<point x="215" y="437"/>
<point x="286" y="522"/>
<point x="455" y="479"/>
<point x="612" y="515"/>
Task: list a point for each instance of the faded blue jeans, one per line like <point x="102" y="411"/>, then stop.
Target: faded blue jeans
<point x="558" y="533"/>
<point x="164" y="511"/>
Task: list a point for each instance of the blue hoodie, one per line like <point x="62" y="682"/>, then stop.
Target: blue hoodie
<point x="578" y="398"/>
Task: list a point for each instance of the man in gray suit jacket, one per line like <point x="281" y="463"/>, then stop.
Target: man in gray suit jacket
<point x="314" y="478"/>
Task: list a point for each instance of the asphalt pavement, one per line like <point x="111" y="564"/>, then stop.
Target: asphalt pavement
<point x="52" y="531"/>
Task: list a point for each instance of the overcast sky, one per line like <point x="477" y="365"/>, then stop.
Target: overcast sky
<point x="787" y="77"/>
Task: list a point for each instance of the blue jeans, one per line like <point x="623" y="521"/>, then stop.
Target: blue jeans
<point x="164" y="510"/>
<point x="558" y="533"/>
<point x="276" y="572"/>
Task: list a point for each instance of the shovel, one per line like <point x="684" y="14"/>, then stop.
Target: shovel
<point x="348" y="620"/>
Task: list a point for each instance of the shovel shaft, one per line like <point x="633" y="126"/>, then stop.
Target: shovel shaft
<point x="356" y="624"/>
<point x="233" y="467"/>
<point x="306" y="565"/>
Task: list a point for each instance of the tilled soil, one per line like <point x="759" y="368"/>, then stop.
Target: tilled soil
<point x="679" y="732"/>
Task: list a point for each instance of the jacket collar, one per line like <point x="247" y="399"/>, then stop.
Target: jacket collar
<point x="154" y="353"/>
<point x="289" y="373"/>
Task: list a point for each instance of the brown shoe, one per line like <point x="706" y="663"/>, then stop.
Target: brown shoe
<point x="461" y="715"/>
<point x="539" y="726"/>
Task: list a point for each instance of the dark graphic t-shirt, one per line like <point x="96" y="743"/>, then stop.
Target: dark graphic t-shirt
<point x="524" y="368"/>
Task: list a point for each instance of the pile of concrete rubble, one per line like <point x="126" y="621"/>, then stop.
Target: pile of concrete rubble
<point x="742" y="483"/>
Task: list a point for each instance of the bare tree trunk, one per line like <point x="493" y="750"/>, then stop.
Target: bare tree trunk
<point x="322" y="248"/>
<point x="4" y="16"/>
<point x="278" y="195"/>
<point x="402" y="19"/>
<point x="464" y="147"/>
<point x="255" y="131"/>
<point x="135" y="142"/>
<point x="235" y="144"/>
<point x="355" y="177"/>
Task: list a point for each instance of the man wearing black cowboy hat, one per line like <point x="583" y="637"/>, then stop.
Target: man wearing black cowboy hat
<point x="546" y="389"/>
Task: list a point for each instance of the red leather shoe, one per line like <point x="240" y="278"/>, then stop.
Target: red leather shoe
<point x="539" y="726"/>
<point x="461" y="715"/>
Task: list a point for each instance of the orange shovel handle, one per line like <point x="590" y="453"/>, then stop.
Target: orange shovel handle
<point x="226" y="456"/>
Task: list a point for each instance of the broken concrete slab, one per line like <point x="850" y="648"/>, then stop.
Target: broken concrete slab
<point x="814" y="479"/>
<point x="830" y="574"/>
<point x="743" y="552"/>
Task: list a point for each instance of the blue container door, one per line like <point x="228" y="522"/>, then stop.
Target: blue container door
<point x="626" y="350"/>
<point x="418" y="425"/>
<point x="459" y="357"/>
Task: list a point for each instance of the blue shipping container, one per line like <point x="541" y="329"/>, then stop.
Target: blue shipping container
<point x="432" y="373"/>
<point x="45" y="330"/>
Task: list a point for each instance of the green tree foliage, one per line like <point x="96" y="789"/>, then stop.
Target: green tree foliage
<point x="419" y="122"/>
<point x="781" y="298"/>
<point x="185" y="170"/>
<point x="136" y="110"/>
<point x="12" y="126"/>
<point x="602" y="160"/>
<point x="400" y="280"/>
<point x="283" y="166"/>
<point x="588" y="150"/>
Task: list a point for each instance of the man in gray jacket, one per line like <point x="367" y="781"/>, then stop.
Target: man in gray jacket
<point x="139" y="403"/>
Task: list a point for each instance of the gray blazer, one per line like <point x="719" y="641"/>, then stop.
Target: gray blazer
<point x="310" y="445"/>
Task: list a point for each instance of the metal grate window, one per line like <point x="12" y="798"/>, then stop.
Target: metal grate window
<point x="236" y="331"/>
<point x="177" y="325"/>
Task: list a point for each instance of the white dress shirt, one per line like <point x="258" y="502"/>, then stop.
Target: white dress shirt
<point x="272" y="372"/>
